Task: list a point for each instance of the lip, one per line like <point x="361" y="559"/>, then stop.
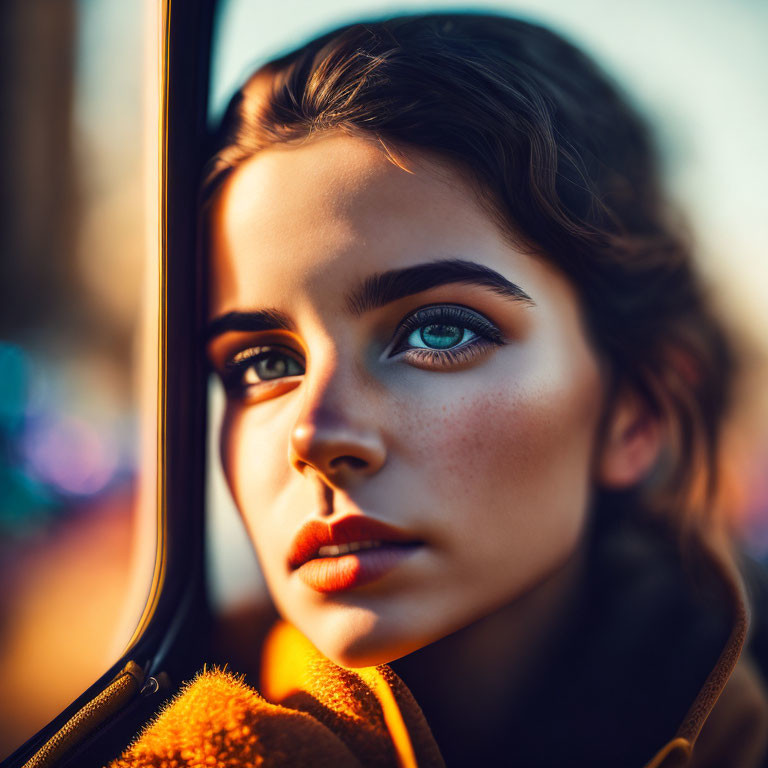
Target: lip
<point x="346" y="571"/>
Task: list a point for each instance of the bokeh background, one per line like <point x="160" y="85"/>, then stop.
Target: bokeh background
<point x="78" y="271"/>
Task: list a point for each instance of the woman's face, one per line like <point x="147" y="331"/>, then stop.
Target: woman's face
<point x="412" y="403"/>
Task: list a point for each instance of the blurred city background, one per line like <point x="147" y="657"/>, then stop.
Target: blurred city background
<point x="78" y="271"/>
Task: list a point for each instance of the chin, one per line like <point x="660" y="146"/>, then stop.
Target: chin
<point x="355" y="637"/>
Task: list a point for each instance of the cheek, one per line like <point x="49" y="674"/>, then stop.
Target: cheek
<point x="255" y="464"/>
<point x="513" y="458"/>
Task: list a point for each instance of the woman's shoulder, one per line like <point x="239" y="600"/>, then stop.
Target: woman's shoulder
<point x="736" y="731"/>
<point x="686" y="619"/>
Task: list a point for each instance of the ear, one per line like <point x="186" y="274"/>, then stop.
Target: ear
<point x="632" y="441"/>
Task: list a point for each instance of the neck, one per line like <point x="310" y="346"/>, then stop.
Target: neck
<point x="468" y="682"/>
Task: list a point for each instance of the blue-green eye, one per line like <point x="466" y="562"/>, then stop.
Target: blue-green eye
<point x="261" y="364"/>
<point x="271" y="365"/>
<point x="441" y="334"/>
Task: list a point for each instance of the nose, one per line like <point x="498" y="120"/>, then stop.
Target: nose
<point x="335" y="433"/>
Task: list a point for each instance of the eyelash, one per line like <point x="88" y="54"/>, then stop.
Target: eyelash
<point x="487" y="335"/>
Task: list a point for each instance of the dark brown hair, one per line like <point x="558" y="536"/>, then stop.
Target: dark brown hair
<point x="563" y="164"/>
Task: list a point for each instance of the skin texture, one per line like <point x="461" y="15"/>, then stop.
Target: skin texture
<point x="490" y="462"/>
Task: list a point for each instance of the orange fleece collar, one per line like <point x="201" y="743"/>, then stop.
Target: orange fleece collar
<point x="328" y="716"/>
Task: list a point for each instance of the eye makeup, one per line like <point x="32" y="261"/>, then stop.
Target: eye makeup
<point x="438" y="336"/>
<point x="259" y="365"/>
<point x="445" y="335"/>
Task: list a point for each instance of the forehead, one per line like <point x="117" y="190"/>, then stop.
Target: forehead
<point x="309" y="220"/>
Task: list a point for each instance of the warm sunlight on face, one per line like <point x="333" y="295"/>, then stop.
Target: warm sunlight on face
<point x="410" y="446"/>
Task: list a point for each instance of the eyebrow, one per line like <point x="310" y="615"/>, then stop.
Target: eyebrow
<point x="256" y="320"/>
<point x="378" y="290"/>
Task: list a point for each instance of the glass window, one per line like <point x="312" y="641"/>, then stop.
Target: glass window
<point x="78" y="273"/>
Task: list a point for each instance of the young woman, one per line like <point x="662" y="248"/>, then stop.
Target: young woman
<point x="474" y="397"/>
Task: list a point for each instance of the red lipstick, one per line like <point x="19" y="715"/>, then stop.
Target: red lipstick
<point x="347" y="553"/>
